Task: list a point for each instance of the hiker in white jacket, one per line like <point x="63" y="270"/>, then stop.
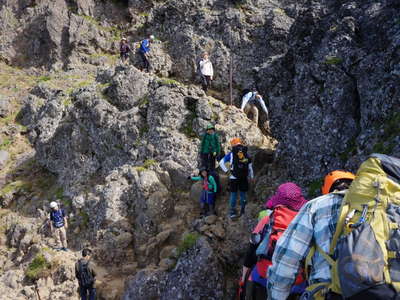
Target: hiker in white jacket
<point x="249" y="102"/>
<point x="206" y="71"/>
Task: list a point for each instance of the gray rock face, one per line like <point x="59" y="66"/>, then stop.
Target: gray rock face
<point x="197" y="275"/>
<point x="334" y="84"/>
<point x="4" y="156"/>
<point x="5" y="107"/>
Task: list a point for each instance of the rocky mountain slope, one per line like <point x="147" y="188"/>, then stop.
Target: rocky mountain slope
<point x="115" y="145"/>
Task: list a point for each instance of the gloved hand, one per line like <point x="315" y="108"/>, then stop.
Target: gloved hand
<point x="189" y="177"/>
<point x="215" y="153"/>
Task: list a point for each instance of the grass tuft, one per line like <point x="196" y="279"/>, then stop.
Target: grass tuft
<point x="188" y="242"/>
<point x="38" y="268"/>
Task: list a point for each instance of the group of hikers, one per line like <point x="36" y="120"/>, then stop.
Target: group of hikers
<point x="240" y="169"/>
<point x="250" y="97"/>
<point x="84" y="271"/>
<point x="344" y="244"/>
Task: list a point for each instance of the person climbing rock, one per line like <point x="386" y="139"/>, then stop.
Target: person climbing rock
<point x="58" y="226"/>
<point x="241" y="169"/>
<point x="315" y="223"/>
<point x="249" y="101"/>
<point x="210" y="148"/>
<point x="86" y="276"/>
<point x="124" y="50"/>
<point x="207" y="197"/>
<point x="144" y="51"/>
<point x="284" y="205"/>
<point x="206" y="71"/>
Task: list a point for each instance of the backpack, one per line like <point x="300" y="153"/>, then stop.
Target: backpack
<point x="57" y="217"/>
<point x="279" y="220"/>
<point x="240" y="167"/>
<point x="364" y="253"/>
<point x="85" y="276"/>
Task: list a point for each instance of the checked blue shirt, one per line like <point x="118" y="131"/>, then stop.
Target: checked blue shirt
<point x="315" y="222"/>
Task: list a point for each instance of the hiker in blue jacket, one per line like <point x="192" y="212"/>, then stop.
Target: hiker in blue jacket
<point x="144" y="51"/>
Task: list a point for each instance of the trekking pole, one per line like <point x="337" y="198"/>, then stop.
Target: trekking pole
<point x="37" y="291"/>
<point x="230" y="79"/>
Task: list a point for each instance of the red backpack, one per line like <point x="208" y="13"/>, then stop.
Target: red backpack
<point x="279" y="220"/>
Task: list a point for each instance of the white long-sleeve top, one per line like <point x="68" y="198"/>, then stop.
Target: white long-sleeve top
<point x="250" y="96"/>
<point x="206" y="67"/>
<point x="229" y="158"/>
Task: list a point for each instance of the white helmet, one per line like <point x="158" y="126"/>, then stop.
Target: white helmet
<point x="152" y="37"/>
<point x="53" y="204"/>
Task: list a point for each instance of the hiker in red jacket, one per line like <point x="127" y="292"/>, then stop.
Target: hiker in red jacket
<point x="285" y="204"/>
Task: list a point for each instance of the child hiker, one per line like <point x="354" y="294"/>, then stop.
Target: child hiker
<point x="207" y="198"/>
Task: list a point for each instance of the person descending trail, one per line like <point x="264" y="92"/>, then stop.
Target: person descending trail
<point x="86" y="276"/>
<point x="249" y="101"/>
<point x="207" y="197"/>
<point x="285" y="204"/>
<point x="58" y="226"/>
<point x="241" y="169"/>
<point x="124" y="50"/>
<point x="210" y="148"/>
<point x="144" y="51"/>
<point x="314" y="225"/>
<point x="206" y="71"/>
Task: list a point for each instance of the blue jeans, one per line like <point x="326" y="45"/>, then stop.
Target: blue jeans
<point x="84" y="291"/>
<point x="232" y="200"/>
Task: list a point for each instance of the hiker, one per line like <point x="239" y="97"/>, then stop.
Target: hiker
<point x="58" y="226"/>
<point x="86" y="276"/>
<point x="207" y="197"/>
<point x="210" y="148"/>
<point x="315" y="223"/>
<point x="249" y="101"/>
<point x="124" y="50"/>
<point x="206" y="71"/>
<point x="284" y="205"/>
<point x="144" y="51"/>
<point x="241" y="169"/>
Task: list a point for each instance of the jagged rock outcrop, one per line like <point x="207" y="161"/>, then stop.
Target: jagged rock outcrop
<point x="197" y="275"/>
<point x="335" y="88"/>
<point x="122" y="148"/>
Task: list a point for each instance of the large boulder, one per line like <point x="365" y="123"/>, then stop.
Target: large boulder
<point x="197" y="275"/>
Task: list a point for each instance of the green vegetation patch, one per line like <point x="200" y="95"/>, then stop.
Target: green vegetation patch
<point x="314" y="188"/>
<point x="188" y="242"/>
<point x="5" y="143"/>
<point x="333" y="60"/>
<point x="146" y="165"/>
<point x="43" y="78"/>
<point x="168" y="81"/>
<point x="38" y="268"/>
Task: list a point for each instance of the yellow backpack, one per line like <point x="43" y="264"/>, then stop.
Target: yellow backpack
<point x="365" y="249"/>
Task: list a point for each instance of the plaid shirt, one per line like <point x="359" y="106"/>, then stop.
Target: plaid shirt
<point x="315" y="222"/>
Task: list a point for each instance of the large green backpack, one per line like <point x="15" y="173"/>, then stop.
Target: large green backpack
<point x="365" y="250"/>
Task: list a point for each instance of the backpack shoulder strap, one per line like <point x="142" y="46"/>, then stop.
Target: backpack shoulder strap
<point x="344" y="208"/>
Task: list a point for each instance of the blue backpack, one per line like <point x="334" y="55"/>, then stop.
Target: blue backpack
<point x="57" y="217"/>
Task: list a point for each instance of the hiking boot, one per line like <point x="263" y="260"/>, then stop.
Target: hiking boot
<point x="64" y="249"/>
<point x="242" y="210"/>
<point x="212" y="209"/>
<point x="233" y="214"/>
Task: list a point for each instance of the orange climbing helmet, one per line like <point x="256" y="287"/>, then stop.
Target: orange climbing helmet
<point x="236" y="141"/>
<point x="334" y="176"/>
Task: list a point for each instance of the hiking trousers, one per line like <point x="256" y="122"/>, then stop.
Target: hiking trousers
<point x="208" y="161"/>
<point x="60" y="235"/>
<point x="206" y="82"/>
<point x="87" y="293"/>
<point x="145" y="60"/>
<point x="252" y="108"/>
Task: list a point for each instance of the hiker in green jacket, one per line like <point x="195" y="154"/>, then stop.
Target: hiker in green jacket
<point x="210" y="148"/>
<point x="207" y="197"/>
